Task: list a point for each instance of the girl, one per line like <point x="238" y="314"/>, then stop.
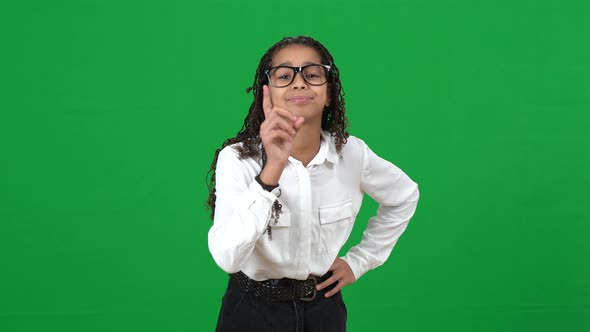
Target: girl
<point x="284" y="194"/>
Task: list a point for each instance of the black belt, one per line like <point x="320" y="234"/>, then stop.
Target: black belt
<point x="280" y="289"/>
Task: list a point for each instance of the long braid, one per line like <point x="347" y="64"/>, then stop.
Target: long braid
<point x="333" y="119"/>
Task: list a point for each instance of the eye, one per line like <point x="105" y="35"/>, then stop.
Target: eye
<point x="282" y="74"/>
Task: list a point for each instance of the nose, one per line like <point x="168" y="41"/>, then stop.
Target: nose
<point x="299" y="82"/>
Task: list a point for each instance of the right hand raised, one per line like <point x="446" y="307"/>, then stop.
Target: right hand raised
<point x="277" y="132"/>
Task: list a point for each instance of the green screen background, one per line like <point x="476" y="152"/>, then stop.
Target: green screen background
<point x="111" y="112"/>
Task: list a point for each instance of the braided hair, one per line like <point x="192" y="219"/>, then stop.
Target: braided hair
<point x="334" y="118"/>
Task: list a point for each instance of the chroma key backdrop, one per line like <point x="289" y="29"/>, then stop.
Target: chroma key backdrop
<point x="111" y="111"/>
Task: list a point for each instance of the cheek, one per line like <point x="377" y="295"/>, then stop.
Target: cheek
<point x="275" y="97"/>
<point x="324" y="96"/>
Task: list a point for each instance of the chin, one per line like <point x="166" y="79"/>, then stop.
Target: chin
<point x="307" y="114"/>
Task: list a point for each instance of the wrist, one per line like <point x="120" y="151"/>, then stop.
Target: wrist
<point x="265" y="186"/>
<point x="271" y="174"/>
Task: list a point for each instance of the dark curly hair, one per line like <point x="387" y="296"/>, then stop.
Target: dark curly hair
<point x="334" y="118"/>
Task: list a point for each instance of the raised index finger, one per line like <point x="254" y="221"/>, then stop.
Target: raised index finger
<point x="266" y="103"/>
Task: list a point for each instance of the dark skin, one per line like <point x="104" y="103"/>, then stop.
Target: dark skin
<point x="292" y="127"/>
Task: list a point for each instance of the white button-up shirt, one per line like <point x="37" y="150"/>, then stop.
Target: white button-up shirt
<point x="319" y="201"/>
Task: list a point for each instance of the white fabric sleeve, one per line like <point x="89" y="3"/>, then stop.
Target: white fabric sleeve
<point x="397" y="196"/>
<point x="242" y="212"/>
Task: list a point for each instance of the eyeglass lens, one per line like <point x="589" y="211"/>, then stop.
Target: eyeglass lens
<point x="283" y="76"/>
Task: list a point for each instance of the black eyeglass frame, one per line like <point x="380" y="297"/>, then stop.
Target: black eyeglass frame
<point x="299" y="70"/>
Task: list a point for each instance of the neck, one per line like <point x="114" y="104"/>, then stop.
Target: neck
<point x="307" y="142"/>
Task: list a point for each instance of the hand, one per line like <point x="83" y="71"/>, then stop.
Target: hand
<point x="341" y="273"/>
<point x="277" y="133"/>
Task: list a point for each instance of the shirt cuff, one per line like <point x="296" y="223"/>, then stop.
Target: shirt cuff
<point x="262" y="208"/>
<point x="356" y="265"/>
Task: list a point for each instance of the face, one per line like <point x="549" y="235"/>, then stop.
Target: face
<point x="299" y="97"/>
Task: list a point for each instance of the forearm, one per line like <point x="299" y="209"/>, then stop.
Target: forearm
<point x="239" y="221"/>
<point x="381" y="235"/>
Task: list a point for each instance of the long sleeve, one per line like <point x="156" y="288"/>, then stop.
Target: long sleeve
<point x="242" y="211"/>
<point x="397" y="196"/>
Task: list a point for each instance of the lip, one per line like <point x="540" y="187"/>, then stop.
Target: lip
<point x="299" y="99"/>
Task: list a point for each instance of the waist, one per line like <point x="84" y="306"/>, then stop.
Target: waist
<point x="284" y="289"/>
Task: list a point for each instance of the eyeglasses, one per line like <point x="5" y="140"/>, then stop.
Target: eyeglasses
<point x="282" y="76"/>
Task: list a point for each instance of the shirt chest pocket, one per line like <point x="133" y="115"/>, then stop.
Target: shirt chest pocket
<point x="274" y="247"/>
<point x="335" y="227"/>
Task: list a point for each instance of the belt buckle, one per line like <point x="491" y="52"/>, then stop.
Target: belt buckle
<point x="313" y="295"/>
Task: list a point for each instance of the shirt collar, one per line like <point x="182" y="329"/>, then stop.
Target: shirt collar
<point x="327" y="150"/>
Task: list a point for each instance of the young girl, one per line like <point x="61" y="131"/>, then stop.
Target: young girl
<point x="285" y="192"/>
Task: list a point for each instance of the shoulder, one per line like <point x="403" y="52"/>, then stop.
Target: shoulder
<point x="229" y="156"/>
<point x="230" y="151"/>
<point x="353" y="152"/>
<point x="355" y="142"/>
<point x="357" y="149"/>
<point x="233" y="156"/>
<point x="354" y="147"/>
